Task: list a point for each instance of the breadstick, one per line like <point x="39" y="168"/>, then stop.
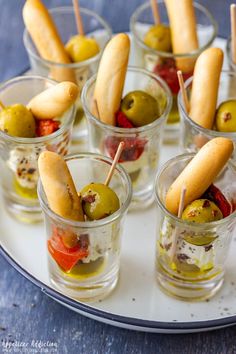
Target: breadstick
<point x="45" y="36"/>
<point x="183" y="31"/>
<point x="205" y="87"/>
<point x="201" y="171"/>
<point x="59" y="187"/>
<point x="111" y="77"/>
<point x="54" y="101"/>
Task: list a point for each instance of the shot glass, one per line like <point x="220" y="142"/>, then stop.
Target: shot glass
<point x="18" y="156"/>
<point x="90" y="270"/>
<point x="141" y="153"/>
<point x="94" y="26"/>
<point x="164" y="63"/>
<point x="190" y="257"/>
<point x="194" y="136"/>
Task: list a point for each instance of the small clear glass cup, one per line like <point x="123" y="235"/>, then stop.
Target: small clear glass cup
<point x="18" y="156"/>
<point x="194" y="269"/>
<point x="96" y="274"/>
<point x="231" y="64"/>
<point x="94" y="26"/>
<point x="141" y="153"/>
<point x="192" y="135"/>
<point x="164" y="63"/>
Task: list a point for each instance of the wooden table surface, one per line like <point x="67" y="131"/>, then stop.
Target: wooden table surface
<point x="26" y="314"/>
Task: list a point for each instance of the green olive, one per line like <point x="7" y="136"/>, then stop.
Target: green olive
<point x="140" y="108"/>
<point x="159" y="37"/>
<point x="199" y="240"/>
<point x="99" y="201"/>
<point x="17" y="120"/>
<point x="226" y="116"/>
<point x="202" y="211"/>
<point x="81" y="48"/>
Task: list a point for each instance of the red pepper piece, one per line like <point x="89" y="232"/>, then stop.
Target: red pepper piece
<point x="168" y="72"/>
<point x="66" y="257"/>
<point x="133" y="148"/>
<point x="46" y="127"/>
<point x="122" y="121"/>
<point x="215" y="195"/>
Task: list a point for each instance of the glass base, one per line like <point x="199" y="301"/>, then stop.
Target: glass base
<point x="29" y="214"/>
<point x="188" y="290"/>
<point x="87" y="288"/>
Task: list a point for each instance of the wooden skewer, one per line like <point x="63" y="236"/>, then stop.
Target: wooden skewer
<point x="78" y="18"/>
<point x="155" y="12"/>
<point x="113" y="166"/>
<point x="183" y="90"/>
<point x="96" y="108"/>
<point x="175" y="233"/>
<point x="2" y="106"/>
<point x="233" y="31"/>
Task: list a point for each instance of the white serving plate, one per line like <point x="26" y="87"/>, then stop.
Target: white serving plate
<point x="137" y="302"/>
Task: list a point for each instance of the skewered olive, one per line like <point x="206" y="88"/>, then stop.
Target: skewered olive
<point x="99" y="201"/>
<point x="202" y="211"/>
<point x="81" y="48"/>
<point x="140" y="108"/>
<point x="17" y="120"/>
<point x="159" y="37"/>
<point x="226" y="116"/>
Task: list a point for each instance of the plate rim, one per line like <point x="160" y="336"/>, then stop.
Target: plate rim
<point x="118" y="320"/>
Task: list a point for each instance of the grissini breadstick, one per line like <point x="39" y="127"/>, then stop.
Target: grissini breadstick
<point x="205" y="87"/>
<point x="59" y="187"/>
<point x="46" y="39"/>
<point x="200" y="173"/>
<point x="183" y="31"/>
<point x="54" y="101"/>
<point x="111" y="77"/>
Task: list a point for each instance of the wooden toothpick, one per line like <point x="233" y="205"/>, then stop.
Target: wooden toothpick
<point x="233" y="31"/>
<point x="183" y="90"/>
<point x="155" y="12"/>
<point x="113" y="166"/>
<point x="96" y="108"/>
<point x="2" y="106"/>
<point x="176" y="231"/>
<point x="78" y="18"/>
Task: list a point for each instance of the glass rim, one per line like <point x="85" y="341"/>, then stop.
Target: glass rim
<point x="42" y="139"/>
<point x="94" y="223"/>
<point x="192" y="54"/>
<point x="203" y="130"/>
<point x="228" y="52"/>
<point x="195" y="226"/>
<point x="81" y="64"/>
<point x="135" y="130"/>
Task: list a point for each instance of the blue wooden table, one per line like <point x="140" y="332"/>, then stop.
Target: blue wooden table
<point x="26" y="314"/>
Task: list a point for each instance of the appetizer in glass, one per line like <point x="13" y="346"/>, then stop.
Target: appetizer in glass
<point x="180" y="32"/>
<point x="131" y="105"/>
<point x="84" y="214"/>
<point x="36" y="114"/>
<point x="196" y="195"/>
<point x="60" y="49"/>
<point x="211" y="112"/>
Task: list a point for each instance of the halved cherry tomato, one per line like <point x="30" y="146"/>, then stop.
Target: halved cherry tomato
<point x="168" y="72"/>
<point x="66" y="257"/>
<point x="46" y="127"/>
